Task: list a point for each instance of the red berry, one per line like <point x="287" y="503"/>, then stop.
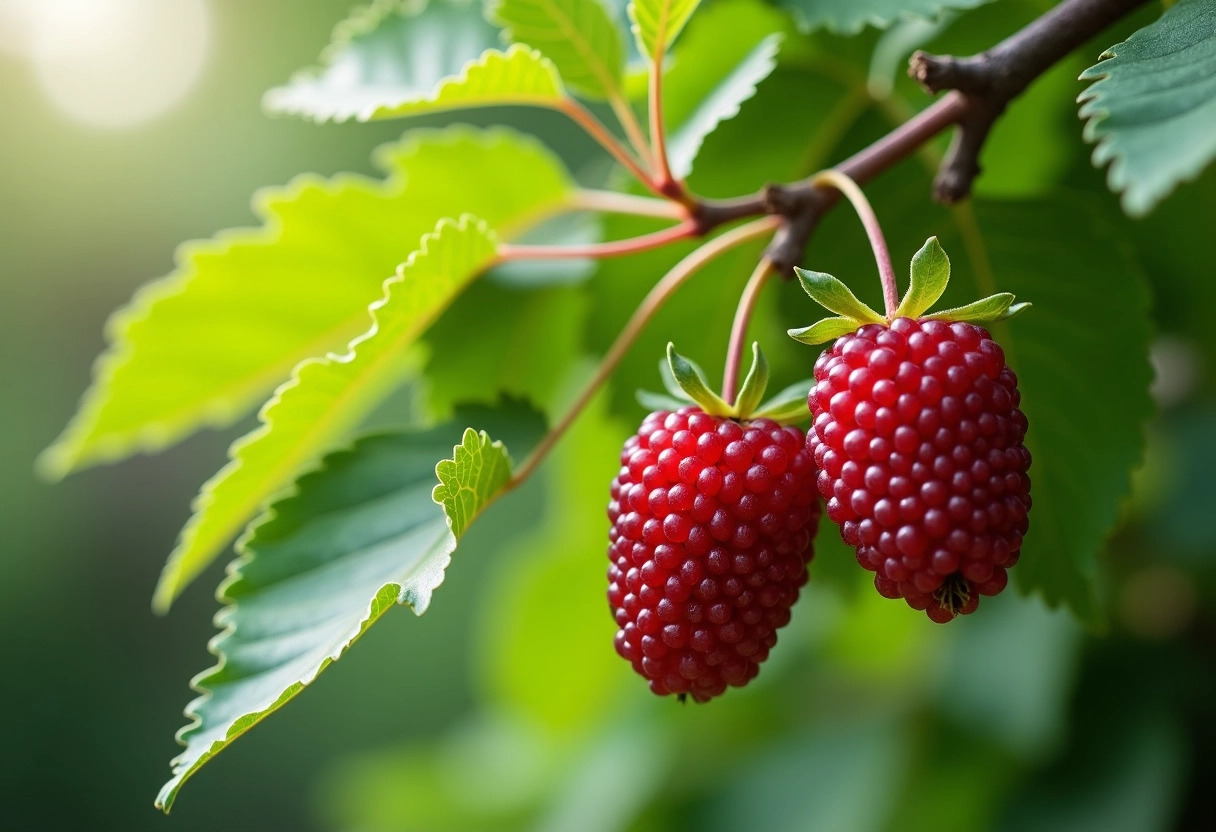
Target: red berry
<point x="712" y="524"/>
<point x="918" y="436"/>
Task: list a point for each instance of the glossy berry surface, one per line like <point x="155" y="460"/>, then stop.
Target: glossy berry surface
<point x="712" y="523"/>
<point x="918" y="437"/>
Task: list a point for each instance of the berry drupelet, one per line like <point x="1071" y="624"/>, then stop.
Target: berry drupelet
<point x="917" y="436"/>
<point x="712" y="523"/>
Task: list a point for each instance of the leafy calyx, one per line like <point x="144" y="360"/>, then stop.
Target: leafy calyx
<point x="929" y="276"/>
<point x="686" y="384"/>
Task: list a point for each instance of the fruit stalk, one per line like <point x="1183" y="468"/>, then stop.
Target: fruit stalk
<point x="651" y="304"/>
<point x="738" y="330"/>
<point x="865" y="212"/>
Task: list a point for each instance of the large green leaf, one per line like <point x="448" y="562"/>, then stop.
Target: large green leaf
<point x="656" y="23"/>
<point x="205" y="345"/>
<point x="851" y="16"/>
<point x="1152" y="106"/>
<point x="369" y="529"/>
<point x="1081" y="354"/>
<point x="579" y="36"/>
<point x="387" y="51"/>
<point x="721" y="104"/>
<point x="328" y="396"/>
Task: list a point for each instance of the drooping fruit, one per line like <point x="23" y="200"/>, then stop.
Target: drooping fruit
<point x="712" y="517"/>
<point x="918" y="438"/>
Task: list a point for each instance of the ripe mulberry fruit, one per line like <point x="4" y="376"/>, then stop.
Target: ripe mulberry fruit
<point x="712" y="522"/>
<point x="918" y="440"/>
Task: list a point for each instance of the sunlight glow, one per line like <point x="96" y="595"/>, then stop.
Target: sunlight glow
<point x="110" y="63"/>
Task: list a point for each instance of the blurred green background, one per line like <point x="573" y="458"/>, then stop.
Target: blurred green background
<point x="505" y="707"/>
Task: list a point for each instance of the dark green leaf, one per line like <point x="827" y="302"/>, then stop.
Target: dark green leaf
<point x="851" y="16"/>
<point x="1152" y="106"/>
<point x="369" y="529"/>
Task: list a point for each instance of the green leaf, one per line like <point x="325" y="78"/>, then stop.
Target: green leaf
<point x="691" y="380"/>
<point x="670" y="384"/>
<point x="520" y="76"/>
<point x="1083" y="371"/>
<point x="326" y="397"/>
<point x="834" y="296"/>
<point x="656" y="23"/>
<point x="370" y="58"/>
<point x="367" y="530"/>
<point x="722" y="103"/>
<point x="789" y="405"/>
<point x="754" y="385"/>
<point x="579" y="36"/>
<point x="849" y="17"/>
<point x="930" y="275"/>
<point x="203" y="346"/>
<point x="820" y="332"/>
<point x="1152" y="106"/>
<point x="992" y="308"/>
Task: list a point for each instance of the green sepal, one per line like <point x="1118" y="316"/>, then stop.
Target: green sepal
<point x="998" y="307"/>
<point x="834" y="296"/>
<point x="754" y="385"/>
<point x="788" y="406"/>
<point x="823" y="331"/>
<point x="691" y="380"/>
<point x="930" y="273"/>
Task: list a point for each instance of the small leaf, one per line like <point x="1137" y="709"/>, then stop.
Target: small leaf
<point x="788" y="406"/>
<point x="656" y="23"/>
<point x="930" y="274"/>
<point x="203" y="346"/>
<point x="848" y="17"/>
<point x="659" y="401"/>
<point x="357" y="536"/>
<point x="1152" y="106"/>
<point x="690" y="379"/>
<point x="820" y="332"/>
<point x="986" y="310"/>
<point x="579" y="36"/>
<point x="372" y="60"/>
<point x="754" y="385"/>
<point x="722" y="103"/>
<point x="326" y="397"/>
<point x="834" y="296"/>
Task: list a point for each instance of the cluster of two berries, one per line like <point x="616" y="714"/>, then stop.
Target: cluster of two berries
<point x="915" y="445"/>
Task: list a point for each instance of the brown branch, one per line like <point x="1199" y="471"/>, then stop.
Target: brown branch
<point x="979" y="88"/>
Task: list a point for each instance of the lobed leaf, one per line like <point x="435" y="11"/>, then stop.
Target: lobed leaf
<point x="326" y="397"/>
<point x="367" y="530"/>
<point x="579" y="36"/>
<point x="386" y="52"/>
<point x="848" y="17"/>
<point x="1083" y="371"/>
<point x="1152" y="106"/>
<point x="657" y="23"/>
<point x="722" y="103"/>
<point x="204" y="345"/>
